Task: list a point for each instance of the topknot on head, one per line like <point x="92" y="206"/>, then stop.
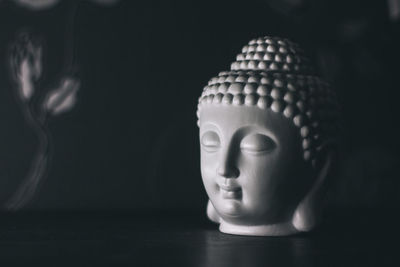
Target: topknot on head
<point x="272" y="54"/>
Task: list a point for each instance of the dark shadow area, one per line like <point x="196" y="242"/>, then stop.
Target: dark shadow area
<point x="150" y="238"/>
<point x="131" y="140"/>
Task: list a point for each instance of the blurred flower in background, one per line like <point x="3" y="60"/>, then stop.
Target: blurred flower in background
<point x="26" y="64"/>
<point x="26" y="68"/>
<point x="62" y="98"/>
<point x="45" y="4"/>
<point x="394" y="9"/>
<point x="37" y="4"/>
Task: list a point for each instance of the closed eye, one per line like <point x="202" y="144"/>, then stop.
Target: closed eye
<point x="256" y="144"/>
<point x="210" y="141"/>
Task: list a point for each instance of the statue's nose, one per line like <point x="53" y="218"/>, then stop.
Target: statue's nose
<point x="231" y="172"/>
<point x="227" y="167"/>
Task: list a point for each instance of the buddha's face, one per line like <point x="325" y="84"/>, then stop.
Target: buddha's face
<point x="252" y="164"/>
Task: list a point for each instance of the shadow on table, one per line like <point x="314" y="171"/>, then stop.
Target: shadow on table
<point x="364" y="238"/>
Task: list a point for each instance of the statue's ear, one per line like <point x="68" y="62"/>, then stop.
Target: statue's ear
<point x="212" y="213"/>
<point x="308" y="212"/>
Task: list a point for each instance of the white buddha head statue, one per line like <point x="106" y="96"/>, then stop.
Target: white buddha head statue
<point x="268" y="128"/>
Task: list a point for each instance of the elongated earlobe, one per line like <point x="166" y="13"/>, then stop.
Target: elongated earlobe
<point x="308" y="213"/>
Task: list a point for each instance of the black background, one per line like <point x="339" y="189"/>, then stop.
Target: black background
<point x="132" y="142"/>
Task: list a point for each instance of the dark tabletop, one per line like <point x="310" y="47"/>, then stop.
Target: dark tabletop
<point x="362" y="238"/>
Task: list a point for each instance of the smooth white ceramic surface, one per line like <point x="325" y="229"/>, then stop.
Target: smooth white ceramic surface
<point x="266" y="137"/>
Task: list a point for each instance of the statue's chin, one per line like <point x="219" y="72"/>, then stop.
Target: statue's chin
<point x="230" y="208"/>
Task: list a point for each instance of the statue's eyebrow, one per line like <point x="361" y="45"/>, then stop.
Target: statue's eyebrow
<point x="247" y="129"/>
<point x="208" y="126"/>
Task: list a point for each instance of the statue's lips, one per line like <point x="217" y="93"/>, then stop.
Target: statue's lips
<point x="230" y="191"/>
<point x="229" y="187"/>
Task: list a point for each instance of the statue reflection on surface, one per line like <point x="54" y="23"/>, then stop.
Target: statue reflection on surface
<point x="242" y="251"/>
